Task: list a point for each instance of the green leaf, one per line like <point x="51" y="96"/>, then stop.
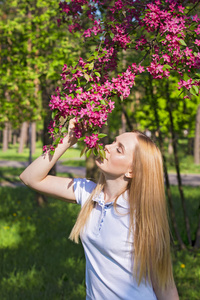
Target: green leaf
<point x="112" y="35"/>
<point x="91" y="58"/>
<point x="88" y="153"/>
<point x="54" y="113"/>
<point x="52" y="152"/>
<point x="95" y="152"/>
<point x="97" y="74"/>
<point x="73" y="71"/>
<point x="57" y="141"/>
<point x="64" y="129"/>
<point x="102" y="153"/>
<point x="56" y="130"/>
<point x="91" y="66"/>
<point x="101" y="135"/>
<point x="182" y="42"/>
<point x="81" y="139"/>
<point x="96" y="54"/>
<point x="87" y="77"/>
<point x="78" y="92"/>
<point x="83" y="151"/>
<point x="166" y="66"/>
<point x="194" y="90"/>
<point x="103" y="102"/>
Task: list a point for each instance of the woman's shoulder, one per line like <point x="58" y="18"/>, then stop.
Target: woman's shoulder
<point x="84" y="184"/>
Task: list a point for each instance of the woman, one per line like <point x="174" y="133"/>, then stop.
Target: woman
<point x="123" y="221"/>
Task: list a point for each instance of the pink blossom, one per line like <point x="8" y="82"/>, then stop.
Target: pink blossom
<point x="197" y="42"/>
<point x="91" y="141"/>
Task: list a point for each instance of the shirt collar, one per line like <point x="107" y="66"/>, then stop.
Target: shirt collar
<point x="121" y="201"/>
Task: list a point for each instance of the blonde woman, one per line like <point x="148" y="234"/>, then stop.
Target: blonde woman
<point x="123" y="222"/>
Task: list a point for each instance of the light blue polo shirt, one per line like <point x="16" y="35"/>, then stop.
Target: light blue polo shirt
<point x="107" y="249"/>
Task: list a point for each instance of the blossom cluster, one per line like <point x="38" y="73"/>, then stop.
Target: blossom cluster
<point x="169" y="22"/>
<point x="168" y="37"/>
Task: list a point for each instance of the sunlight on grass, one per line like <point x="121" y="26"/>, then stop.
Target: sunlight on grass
<point x="12" y="153"/>
<point x="9" y="235"/>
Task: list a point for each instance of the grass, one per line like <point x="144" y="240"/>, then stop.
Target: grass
<point x="12" y="153"/>
<point x="37" y="259"/>
<point x="186" y="161"/>
<point x="39" y="262"/>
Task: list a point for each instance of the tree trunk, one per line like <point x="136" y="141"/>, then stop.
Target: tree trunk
<point x="197" y="138"/>
<point x="170" y="148"/>
<point x="23" y="136"/>
<point x="167" y="183"/>
<point x="190" y="147"/>
<point x="9" y="133"/>
<point x="14" y="140"/>
<point x="33" y="141"/>
<point x="123" y="123"/>
<point x="92" y="171"/>
<point x="197" y="240"/>
<point x="176" y="161"/>
<point x="5" y="137"/>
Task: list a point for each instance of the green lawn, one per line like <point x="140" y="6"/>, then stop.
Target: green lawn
<point x="37" y="259"/>
<point x="39" y="262"/>
<point x="186" y="161"/>
<point x="12" y="153"/>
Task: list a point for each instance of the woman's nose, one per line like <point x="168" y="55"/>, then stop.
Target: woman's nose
<point x="107" y="148"/>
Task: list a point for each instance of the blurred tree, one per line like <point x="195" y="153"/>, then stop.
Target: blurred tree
<point x="33" y="52"/>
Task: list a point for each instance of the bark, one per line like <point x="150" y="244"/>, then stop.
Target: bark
<point x="197" y="138"/>
<point x="14" y="141"/>
<point x="167" y="183"/>
<point x="92" y="171"/>
<point x="47" y="90"/>
<point x="33" y="141"/>
<point x="123" y="123"/>
<point x="176" y="161"/>
<point x="170" y="147"/>
<point x="41" y="199"/>
<point x="9" y="133"/>
<point x="23" y="136"/>
<point x="190" y="148"/>
<point x="5" y="137"/>
<point x="197" y="240"/>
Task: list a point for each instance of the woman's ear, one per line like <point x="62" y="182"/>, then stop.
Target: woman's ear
<point x="129" y="174"/>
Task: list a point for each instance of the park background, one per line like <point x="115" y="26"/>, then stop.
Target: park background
<point x="37" y="259"/>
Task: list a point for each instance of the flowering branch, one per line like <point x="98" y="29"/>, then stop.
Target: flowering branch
<point x="89" y="87"/>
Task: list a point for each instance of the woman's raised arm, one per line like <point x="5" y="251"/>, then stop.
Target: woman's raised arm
<point x="36" y="175"/>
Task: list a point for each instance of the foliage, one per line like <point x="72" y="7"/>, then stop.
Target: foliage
<point x="164" y="33"/>
<point x="33" y="50"/>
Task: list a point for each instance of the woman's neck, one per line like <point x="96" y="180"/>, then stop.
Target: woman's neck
<point x="113" y="188"/>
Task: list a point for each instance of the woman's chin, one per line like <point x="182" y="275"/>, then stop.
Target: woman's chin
<point x="99" y="161"/>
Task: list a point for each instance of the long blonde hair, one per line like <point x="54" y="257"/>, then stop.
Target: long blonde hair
<point x="148" y="215"/>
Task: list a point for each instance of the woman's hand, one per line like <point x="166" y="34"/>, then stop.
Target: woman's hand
<point x="71" y="136"/>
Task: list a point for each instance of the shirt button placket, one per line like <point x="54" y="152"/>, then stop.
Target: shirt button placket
<point x="103" y="213"/>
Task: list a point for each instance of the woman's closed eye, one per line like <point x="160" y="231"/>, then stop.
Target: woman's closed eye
<point x="119" y="150"/>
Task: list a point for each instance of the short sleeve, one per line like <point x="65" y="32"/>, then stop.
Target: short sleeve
<point x="83" y="189"/>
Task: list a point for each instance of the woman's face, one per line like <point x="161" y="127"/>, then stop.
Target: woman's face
<point x="119" y="156"/>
